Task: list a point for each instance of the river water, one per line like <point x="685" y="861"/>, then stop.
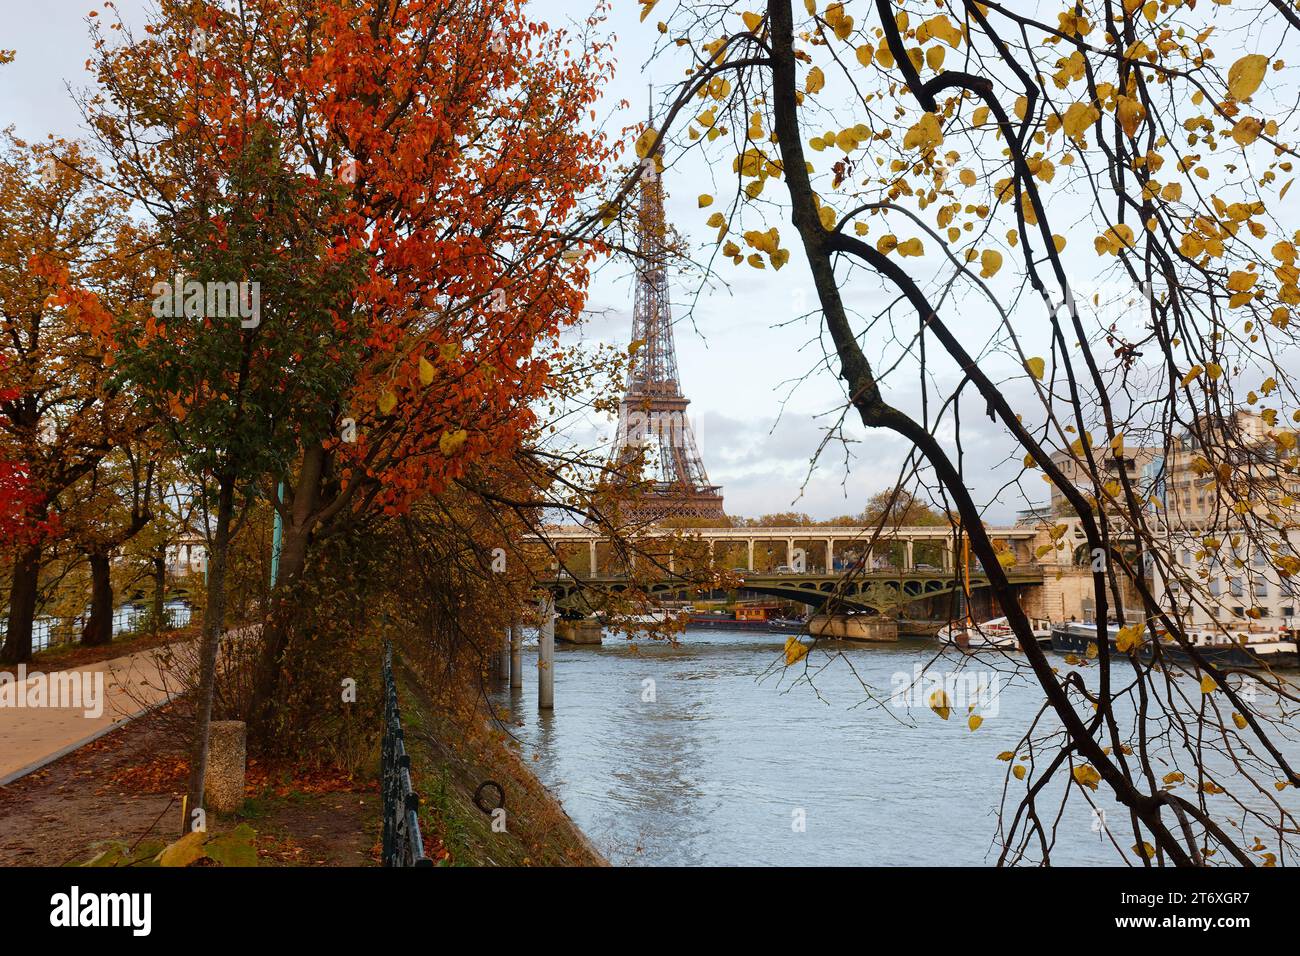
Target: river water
<point x="713" y="752"/>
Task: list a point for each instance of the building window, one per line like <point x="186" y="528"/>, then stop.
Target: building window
<point x="1214" y="587"/>
<point x="1261" y="589"/>
<point x="1235" y="588"/>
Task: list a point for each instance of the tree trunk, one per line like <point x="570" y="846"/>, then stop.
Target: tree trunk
<point x="294" y="537"/>
<point x="275" y="631"/>
<point x="99" y="629"/>
<point x="159" y="588"/>
<point x="22" y="606"/>
<point x="213" y="627"/>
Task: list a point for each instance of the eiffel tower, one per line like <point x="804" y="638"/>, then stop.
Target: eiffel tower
<point x="653" y="429"/>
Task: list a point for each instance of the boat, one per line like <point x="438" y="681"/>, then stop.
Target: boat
<point x="994" y="633"/>
<point x="1253" y="646"/>
<point x="726" y="622"/>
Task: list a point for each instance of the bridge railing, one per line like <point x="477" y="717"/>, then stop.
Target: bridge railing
<point x="403" y="845"/>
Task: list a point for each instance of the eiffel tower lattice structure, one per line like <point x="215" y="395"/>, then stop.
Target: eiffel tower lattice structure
<point x="653" y="427"/>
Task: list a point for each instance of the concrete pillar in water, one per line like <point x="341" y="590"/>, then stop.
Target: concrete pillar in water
<point x="516" y="649"/>
<point x="546" y="656"/>
<point x="503" y="659"/>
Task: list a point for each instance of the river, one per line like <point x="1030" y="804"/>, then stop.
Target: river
<point x="713" y="752"/>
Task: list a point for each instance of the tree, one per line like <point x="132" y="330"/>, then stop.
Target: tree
<point x="400" y="182"/>
<point x="61" y="274"/>
<point x="110" y="506"/>
<point x="1137" y="120"/>
<point x="899" y="508"/>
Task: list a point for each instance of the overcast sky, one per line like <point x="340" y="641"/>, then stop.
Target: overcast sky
<point x="760" y="394"/>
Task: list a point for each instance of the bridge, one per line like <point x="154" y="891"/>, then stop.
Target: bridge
<point x="827" y="548"/>
<point x="817" y="564"/>
<point x="880" y="591"/>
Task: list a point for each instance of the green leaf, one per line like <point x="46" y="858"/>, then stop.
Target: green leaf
<point x="234" y="848"/>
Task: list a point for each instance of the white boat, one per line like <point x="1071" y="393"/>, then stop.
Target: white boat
<point x="994" y="633"/>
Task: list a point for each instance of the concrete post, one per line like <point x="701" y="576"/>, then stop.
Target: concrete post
<point x="911" y="560"/>
<point x="830" y="556"/>
<point x="591" y="554"/>
<point x="516" y="651"/>
<point x="546" y="656"/>
<point x="751" y="553"/>
<point x="503" y="659"/>
<point x="223" y="783"/>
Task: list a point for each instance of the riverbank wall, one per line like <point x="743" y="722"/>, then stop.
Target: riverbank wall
<point x="480" y="804"/>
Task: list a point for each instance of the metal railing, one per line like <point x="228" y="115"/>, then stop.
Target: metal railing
<point x="51" y="632"/>
<point x="403" y="844"/>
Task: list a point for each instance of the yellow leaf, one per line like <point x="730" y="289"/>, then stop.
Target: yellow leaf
<point x="1144" y="850"/>
<point x="426" y="371"/>
<point x="1241" y="281"/>
<point x="1036" y="366"/>
<point x="1246" y="130"/>
<point x="1208" y="686"/>
<point x="451" y="442"/>
<point x="816" y="80"/>
<point x="1129" y="637"/>
<point x="1239" y="720"/>
<point x="752" y="20"/>
<point x="705" y="200"/>
<point x="1245" y="76"/>
<point x="940" y="704"/>
<point x="1059" y="243"/>
<point x="645" y="141"/>
<point x="1087" y="776"/>
<point x="1131" y="113"/>
<point x="1018" y="771"/>
<point x="990" y="262"/>
<point x="795" y="650"/>
<point x="925" y="133"/>
<point x="387" y="402"/>
<point x="1078" y="118"/>
<point x="974" y="721"/>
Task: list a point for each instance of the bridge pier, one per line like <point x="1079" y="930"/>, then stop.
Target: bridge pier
<point x="583" y="631"/>
<point x="503" y="658"/>
<point x="516" y="654"/>
<point x="853" y="627"/>
<point x="546" y="656"/>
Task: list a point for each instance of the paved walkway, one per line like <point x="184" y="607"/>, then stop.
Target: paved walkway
<point x="106" y="695"/>
<point x="33" y="736"/>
